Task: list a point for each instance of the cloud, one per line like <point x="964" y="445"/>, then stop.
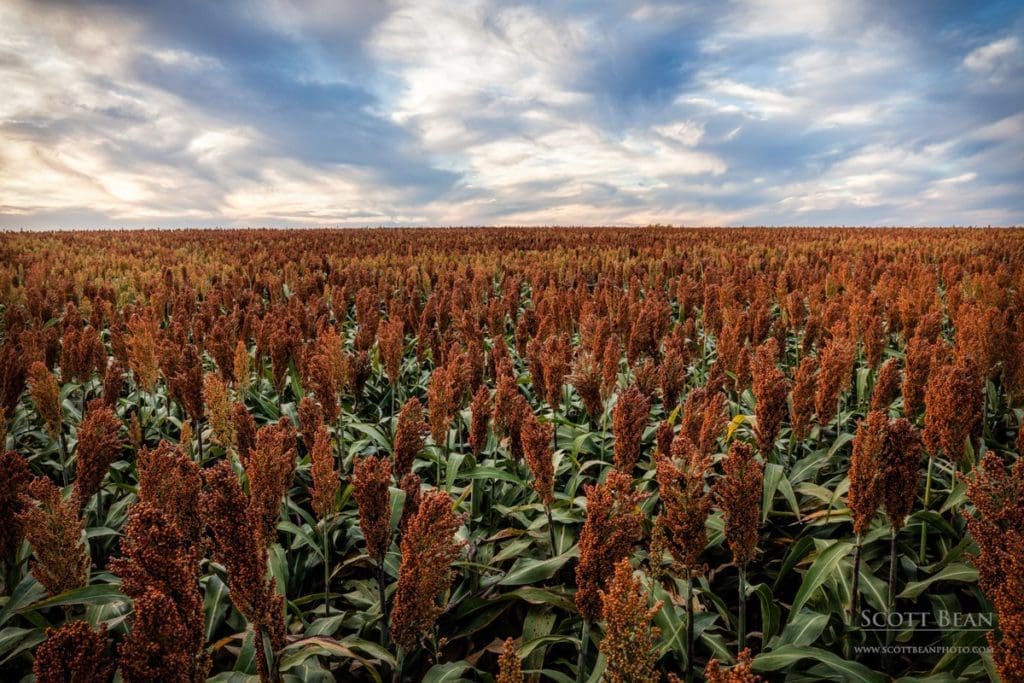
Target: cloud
<point x="997" y="60"/>
<point x="272" y="112"/>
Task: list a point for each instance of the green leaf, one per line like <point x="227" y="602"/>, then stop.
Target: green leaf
<point x="215" y="604"/>
<point x="295" y="654"/>
<point x="775" y="480"/>
<point x="826" y="563"/>
<point x="787" y="655"/>
<point x="771" y="615"/>
<point x="452" y="469"/>
<point x="528" y="570"/>
<point x="397" y="500"/>
<point x="375" y="434"/>
<point x="98" y="594"/>
<point x="447" y="673"/>
<point x="953" y="572"/>
<point x="25" y="593"/>
<point x="14" y="640"/>
<point x="303" y="535"/>
<point x="803" y="629"/>
<point x="528" y="648"/>
<point x="536" y="625"/>
<point x="487" y="473"/>
<point x="841" y="440"/>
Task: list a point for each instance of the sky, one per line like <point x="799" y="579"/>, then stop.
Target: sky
<point x="122" y="114"/>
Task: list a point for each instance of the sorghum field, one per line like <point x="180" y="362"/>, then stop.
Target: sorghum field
<point x="512" y="454"/>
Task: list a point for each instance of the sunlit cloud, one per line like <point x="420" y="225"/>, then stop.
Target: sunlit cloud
<point x="417" y="113"/>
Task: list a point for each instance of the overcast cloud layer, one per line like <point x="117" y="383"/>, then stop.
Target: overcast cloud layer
<point x="119" y="114"/>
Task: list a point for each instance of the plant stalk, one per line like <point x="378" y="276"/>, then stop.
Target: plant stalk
<point x="385" y="619"/>
<point x="199" y="436"/>
<point x="855" y="583"/>
<point x="927" y="500"/>
<point x="327" y="570"/>
<point x="689" y="625"/>
<point x="551" y="531"/>
<point x="891" y="595"/>
<point x="582" y="660"/>
<point x="741" y="631"/>
<point x="63" y="455"/>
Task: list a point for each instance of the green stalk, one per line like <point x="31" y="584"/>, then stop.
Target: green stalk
<point x="891" y="602"/>
<point x="689" y="625"/>
<point x="855" y="583"/>
<point x="582" y="660"/>
<point x="891" y="595"/>
<point x="199" y="436"/>
<point x="927" y="499"/>
<point x="63" y="455"/>
<point x="741" y="632"/>
<point x="551" y="531"/>
<point x="385" y="619"/>
<point x="327" y="569"/>
<point x="399" y="665"/>
<point x="99" y="507"/>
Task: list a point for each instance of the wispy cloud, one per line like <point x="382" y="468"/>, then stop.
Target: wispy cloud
<point x="417" y="112"/>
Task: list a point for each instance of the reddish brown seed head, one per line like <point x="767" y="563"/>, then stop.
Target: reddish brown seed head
<point x="612" y="527"/>
<point x="866" y="491"/>
<point x="74" y="652"/>
<point x="738" y="494"/>
<point x="510" y="668"/>
<point x="391" y="343"/>
<point x="480" y="415"/>
<point x="900" y="465"/>
<point x="324" y="473"/>
<point x="887" y="385"/>
<point x="629" y="418"/>
<point x="14" y="477"/>
<point x="997" y="494"/>
<point x="370" y="481"/>
<point x="99" y="445"/>
<point x="953" y="404"/>
<point x="159" y="570"/>
<point x="630" y="641"/>
<point x="802" y="397"/>
<point x="536" y="438"/>
<point x="834" y="377"/>
<point x="770" y="391"/>
<point x="171" y="482"/>
<point x="270" y="468"/>
<point x="409" y="436"/>
<point x="54" y="529"/>
<point x="428" y="551"/>
<point x="45" y="392"/>
<point x="685" y="500"/>
<point x="741" y="672"/>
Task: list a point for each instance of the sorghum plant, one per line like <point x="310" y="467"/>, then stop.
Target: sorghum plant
<point x="738" y="494"/>
<point x="159" y="570"/>
<point x="770" y="391"/>
<point x="536" y="438"/>
<point x="99" y="446"/>
<point x="629" y="417"/>
<point x="370" y="481"/>
<point x="74" y="652"/>
<point x="997" y="493"/>
<point x="510" y="668"/>
<point x="428" y="549"/>
<point x="57" y="534"/>
<point x="239" y="542"/>
<point x="612" y="527"/>
<point x="630" y="642"/>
